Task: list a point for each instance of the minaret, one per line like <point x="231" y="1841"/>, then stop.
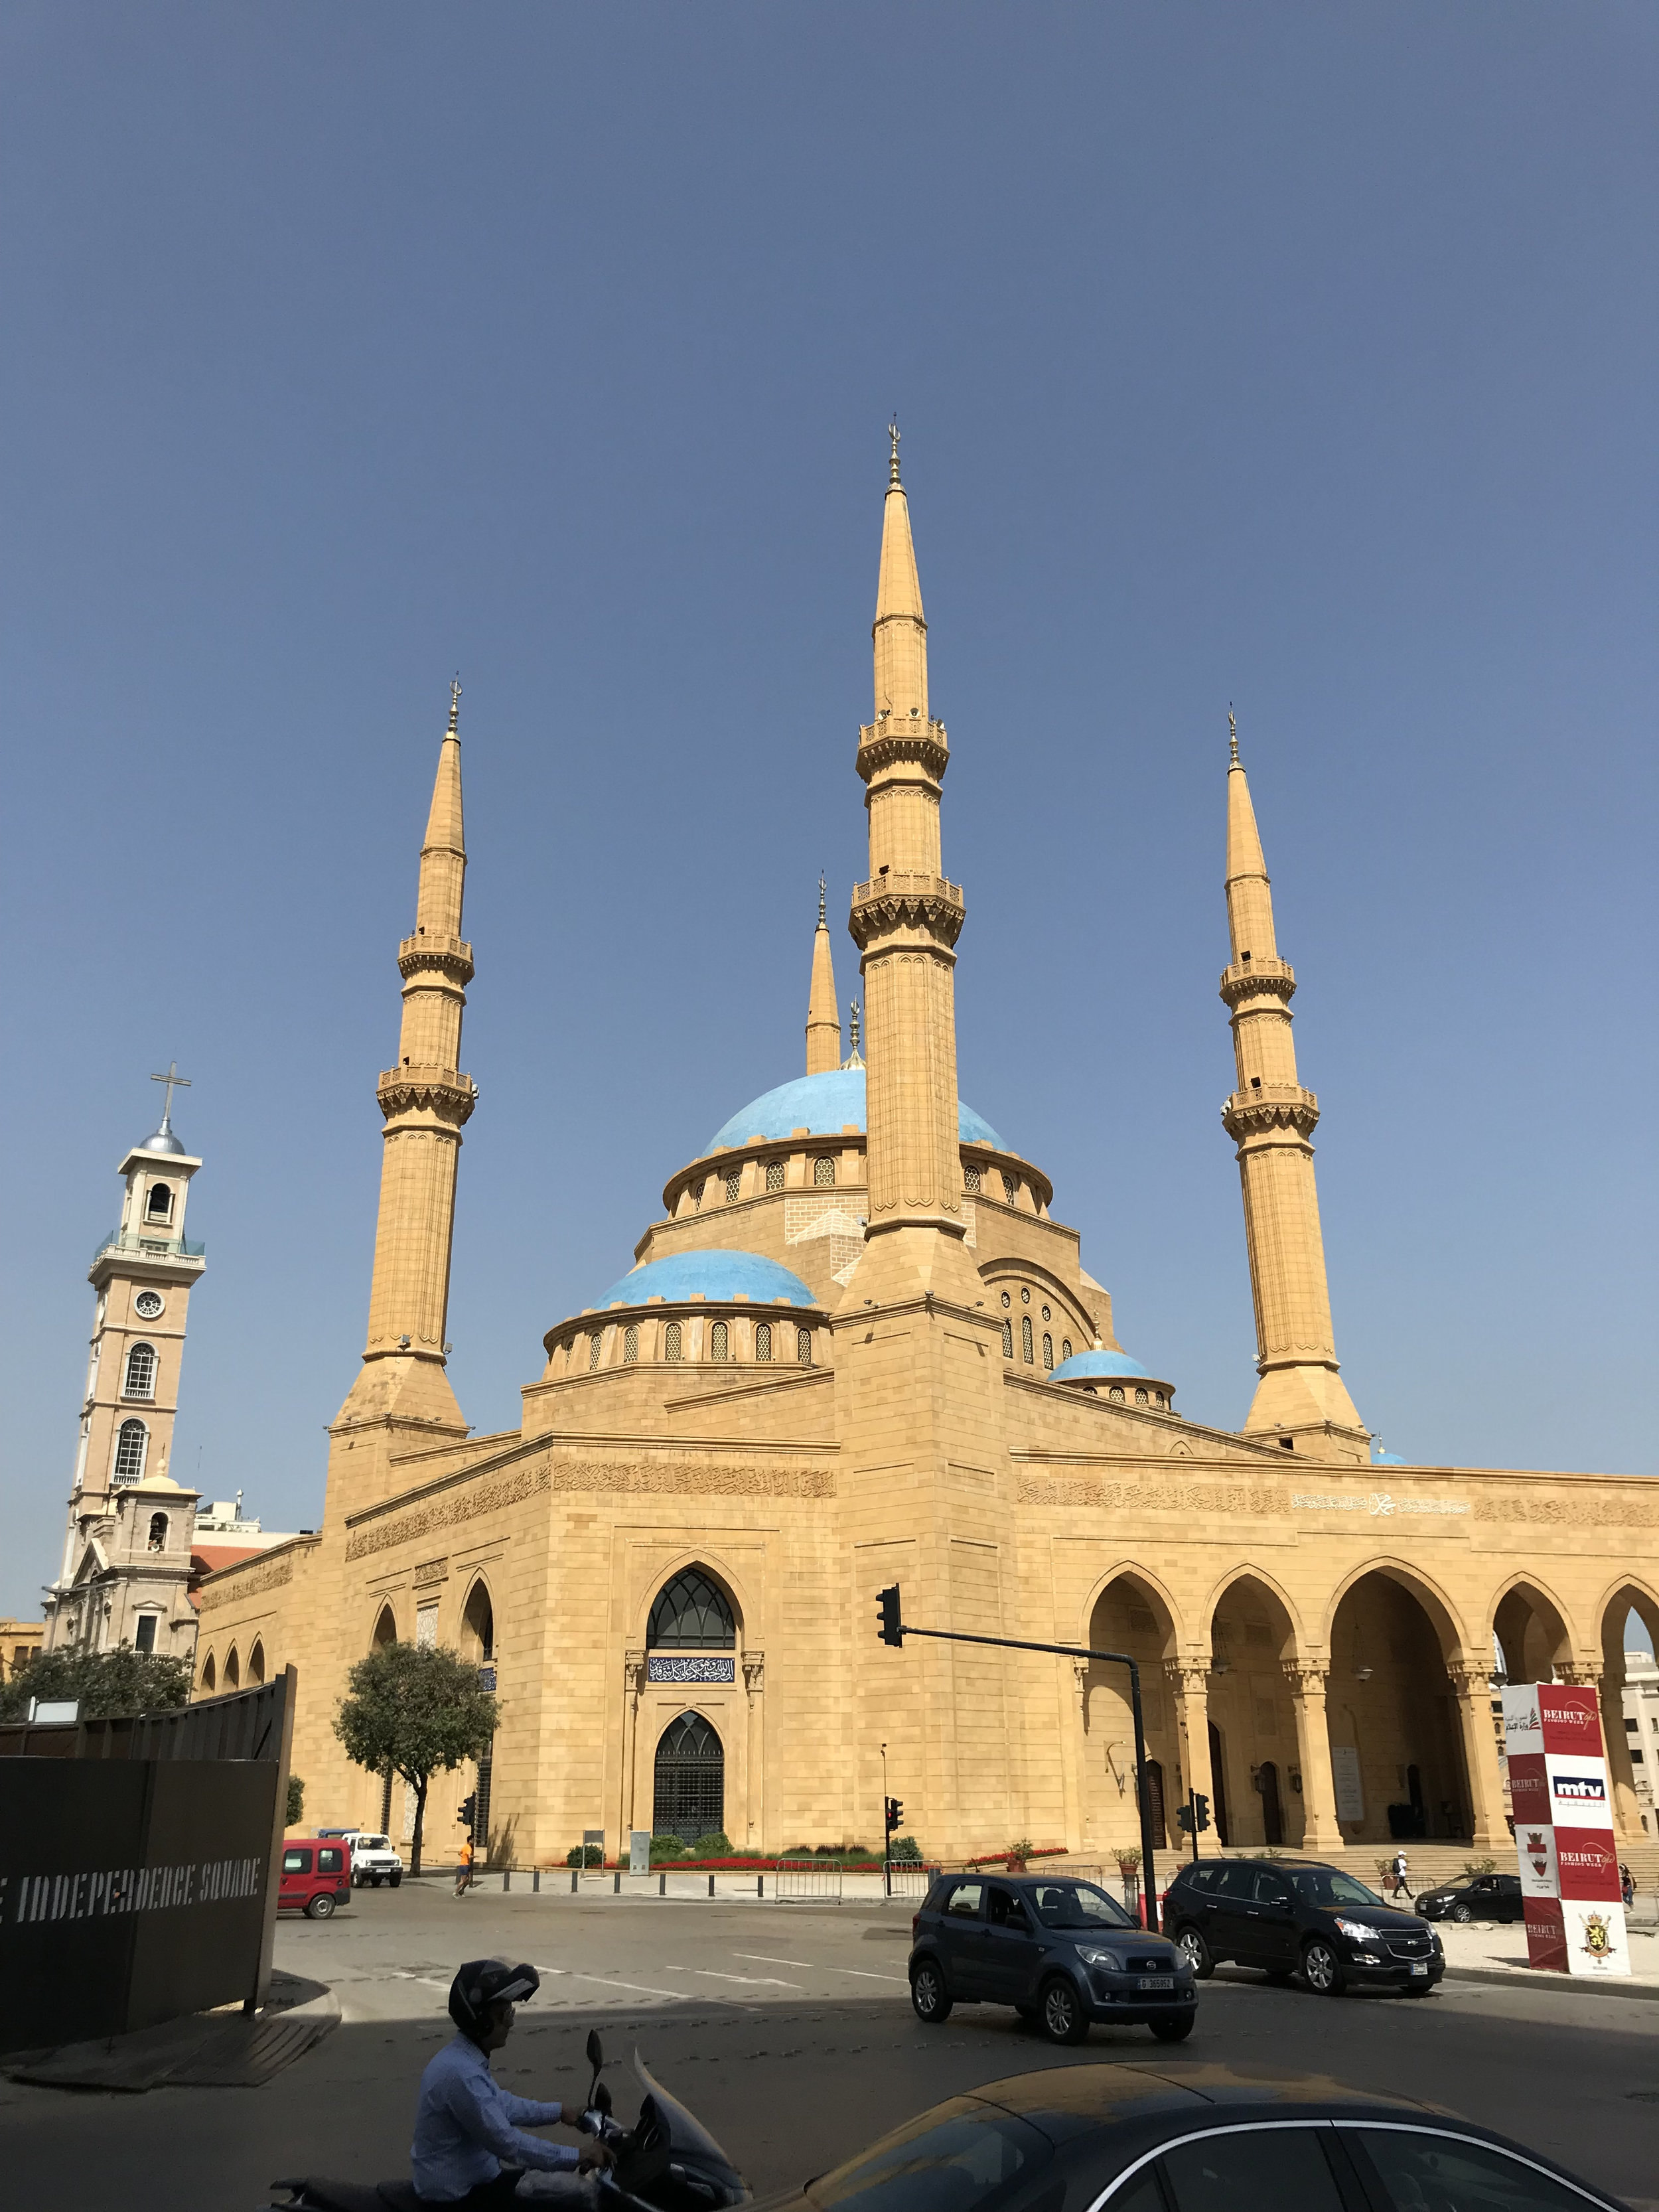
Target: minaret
<point x="425" y="1100"/>
<point x="905" y="921"/>
<point x="823" y="1010"/>
<point x="1271" y="1119"/>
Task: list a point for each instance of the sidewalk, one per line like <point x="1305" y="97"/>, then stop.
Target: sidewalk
<point x="1485" y="1951"/>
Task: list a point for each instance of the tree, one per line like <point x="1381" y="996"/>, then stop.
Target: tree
<point x="419" y="1710"/>
<point x="122" y="1682"/>
<point x="297" y="1802"/>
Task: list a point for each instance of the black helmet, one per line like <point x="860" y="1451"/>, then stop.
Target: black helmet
<point x="485" y="1982"/>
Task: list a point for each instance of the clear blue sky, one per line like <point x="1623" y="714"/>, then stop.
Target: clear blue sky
<point x="1299" y="356"/>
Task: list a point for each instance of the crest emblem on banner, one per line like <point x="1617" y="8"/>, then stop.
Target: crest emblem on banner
<point x="1598" y="1936"/>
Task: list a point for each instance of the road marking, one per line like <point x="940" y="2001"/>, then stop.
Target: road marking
<point x="749" y="1981"/>
<point x="765" y="1958"/>
<point x="762" y="1959"/>
<point x="640" y="1989"/>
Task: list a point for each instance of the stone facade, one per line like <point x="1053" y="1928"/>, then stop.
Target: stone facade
<point x="858" y="1348"/>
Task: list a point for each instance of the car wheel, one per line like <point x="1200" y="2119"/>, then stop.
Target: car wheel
<point x="1196" y="1952"/>
<point x="1321" y="1970"/>
<point x="1460" y="1912"/>
<point x="1173" y="2031"/>
<point x="1061" y="2013"/>
<point x="394" y="1880"/>
<point x="319" y="1908"/>
<point x="928" y="1995"/>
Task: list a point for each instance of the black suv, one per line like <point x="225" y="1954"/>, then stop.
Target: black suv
<point x="1061" y="1952"/>
<point x="1298" y="1916"/>
<point x="1482" y="1897"/>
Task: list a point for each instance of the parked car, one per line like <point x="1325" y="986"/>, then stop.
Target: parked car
<point x="374" y="1859"/>
<point x="1169" y="2134"/>
<point x="316" y="1876"/>
<point x="1060" y="1951"/>
<point x="1488" y="1896"/>
<point x="1298" y="1916"/>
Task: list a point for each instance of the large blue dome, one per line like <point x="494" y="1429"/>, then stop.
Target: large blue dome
<point x="1098" y="1361"/>
<point x="720" y="1277"/>
<point x="824" y="1105"/>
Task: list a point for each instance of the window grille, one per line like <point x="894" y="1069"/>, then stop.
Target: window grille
<point x="696" y="1194"/>
<point x="1007" y="1339"/>
<point x="804" y="1346"/>
<point x="823" y="1171"/>
<point x="594" y="1344"/>
<point x="1157" y="1398"/>
<point x="763" y="1340"/>
<point x="688" y="1783"/>
<point x="426" y="1627"/>
<point x="1010" y="1187"/>
<point x="691" y="1612"/>
<point x="733" y="1185"/>
<point x="1048" y="1349"/>
<point x="140" y="1381"/>
<point x="1141" y="1397"/>
<point x="1065" y="1347"/>
<point x="1025" y="1338"/>
<point x="1116" y="1391"/>
<point x="631" y="1345"/>
<point x="971" y="1180"/>
<point x="1006" y="1300"/>
<point x="130" y="1448"/>
<point x="718" y="1340"/>
<point x="774" y="1175"/>
<point x="670" y="1342"/>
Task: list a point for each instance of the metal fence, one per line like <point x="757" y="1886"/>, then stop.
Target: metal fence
<point x="797" y="1879"/>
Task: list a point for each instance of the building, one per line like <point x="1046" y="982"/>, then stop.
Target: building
<point x="1642" y="1729"/>
<point x="858" y="1347"/>
<point x="19" y="1641"/>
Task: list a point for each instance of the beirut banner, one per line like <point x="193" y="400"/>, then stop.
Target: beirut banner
<point x="1564" y="1833"/>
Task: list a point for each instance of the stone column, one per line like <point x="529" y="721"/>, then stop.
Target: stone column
<point x="754" y="1681"/>
<point x="1471" y="1689"/>
<point x="633" y="1683"/>
<point x="1609" y="1687"/>
<point x="1189" y="1682"/>
<point x="1319" y="1828"/>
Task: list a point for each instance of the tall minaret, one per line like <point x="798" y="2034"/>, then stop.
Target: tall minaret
<point x="905" y="921"/>
<point x="822" y="1010"/>
<point x="425" y="1100"/>
<point x="1271" y="1118"/>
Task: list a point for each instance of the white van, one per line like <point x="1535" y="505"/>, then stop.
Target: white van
<point x="374" y="1859"/>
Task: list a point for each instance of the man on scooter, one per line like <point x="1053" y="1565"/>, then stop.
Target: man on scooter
<point x="469" y="2147"/>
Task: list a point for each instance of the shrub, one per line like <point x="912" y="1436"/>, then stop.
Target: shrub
<point x="665" y="1848"/>
<point x="584" y="1855"/>
<point x="1127" y="1856"/>
<point x="714" y="1846"/>
<point x="1018" y="1852"/>
<point x="906" y="1852"/>
<point x="297" y="1802"/>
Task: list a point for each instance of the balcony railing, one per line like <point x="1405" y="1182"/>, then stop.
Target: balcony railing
<point x="150" y="1247"/>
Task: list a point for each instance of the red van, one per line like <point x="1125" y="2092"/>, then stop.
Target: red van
<point x="316" y="1876"/>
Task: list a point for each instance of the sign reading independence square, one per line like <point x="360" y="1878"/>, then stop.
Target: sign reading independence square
<point x="130" y="1890"/>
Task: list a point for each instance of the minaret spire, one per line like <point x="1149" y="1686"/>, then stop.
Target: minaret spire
<point x="822" y="1014"/>
<point x="1271" y="1119"/>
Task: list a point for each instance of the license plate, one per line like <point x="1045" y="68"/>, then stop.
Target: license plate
<point x="1157" y="1982"/>
<point x="1420" y="1970"/>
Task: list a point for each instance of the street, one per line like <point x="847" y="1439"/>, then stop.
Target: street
<point x="788" y="2030"/>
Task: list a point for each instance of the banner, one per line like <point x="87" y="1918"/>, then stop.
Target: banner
<point x="1564" y="1840"/>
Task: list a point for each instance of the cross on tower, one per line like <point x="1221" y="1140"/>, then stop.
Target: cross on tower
<point x="173" y="1081"/>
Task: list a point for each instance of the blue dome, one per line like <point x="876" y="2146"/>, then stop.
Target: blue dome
<point x="719" y="1277"/>
<point x="1087" y="1365"/>
<point x="824" y="1105"/>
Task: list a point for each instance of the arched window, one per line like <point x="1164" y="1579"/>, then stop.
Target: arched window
<point x="774" y="1175"/>
<point x="139" y="1381"/>
<point x="691" y="1613"/>
<point x="158" y="1532"/>
<point x="719" y="1338"/>
<point x="130" y="1445"/>
<point x="594" y="1344"/>
<point x="1010" y="1185"/>
<point x="762" y="1340"/>
<point x="1065" y="1347"/>
<point x="1025" y="1338"/>
<point x="696" y="1193"/>
<point x="823" y="1171"/>
<point x="733" y="1185"/>
<point x="1007" y="1339"/>
<point x="386" y="1629"/>
<point x="158" y="1206"/>
<point x="804" y="1346"/>
<point x="478" y="1621"/>
<point x="1116" y="1391"/>
<point x="210" y="1675"/>
<point x="972" y="1181"/>
<point x="670" y="1342"/>
<point x="630" y="1345"/>
<point x="233" y="1670"/>
<point x="1141" y="1397"/>
<point x="1157" y="1399"/>
<point x="1047" y="1350"/>
<point x="689" y="1798"/>
<point x="256" y="1663"/>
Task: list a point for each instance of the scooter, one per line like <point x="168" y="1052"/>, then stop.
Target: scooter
<point x="667" y="2162"/>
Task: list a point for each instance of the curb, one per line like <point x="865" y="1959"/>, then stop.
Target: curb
<point x="1523" y="1979"/>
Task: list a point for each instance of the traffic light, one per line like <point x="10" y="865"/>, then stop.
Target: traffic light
<point x="468" y="1815"/>
<point x="895" y="1814"/>
<point x="891" y="1632"/>
<point x="1184" y="1818"/>
<point x="1201" y="1812"/>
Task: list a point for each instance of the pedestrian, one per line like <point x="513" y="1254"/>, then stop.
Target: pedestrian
<point x="1626" y="1885"/>
<point x="464" y="1871"/>
<point x="1402" y="1888"/>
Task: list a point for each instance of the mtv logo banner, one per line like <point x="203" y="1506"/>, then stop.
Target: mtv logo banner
<point x="1564" y="1831"/>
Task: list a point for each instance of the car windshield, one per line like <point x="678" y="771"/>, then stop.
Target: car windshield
<point x="1076" y="1905"/>
<point x="1327" y="1886"/>
<point x="965" y="2160"/>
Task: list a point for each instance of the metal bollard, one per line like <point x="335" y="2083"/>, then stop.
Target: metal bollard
<point x="760" y="1884"/>
<point x="574" y="1877"/>
<point x="711" y="1885"/>
<point x="615" y="1884"/>
<point x="662" y="1885"/>
<point x="507" y="1880"/>
<point x="535" y="1882"/>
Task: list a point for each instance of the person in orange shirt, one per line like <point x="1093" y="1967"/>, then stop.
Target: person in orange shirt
<point x="464" y="1871"/>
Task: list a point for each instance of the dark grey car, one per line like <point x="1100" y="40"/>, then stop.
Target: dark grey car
<point x="1486" y="1897"/>
<point x="1299" y="1917"/>
<point x="1060" y="1951"/>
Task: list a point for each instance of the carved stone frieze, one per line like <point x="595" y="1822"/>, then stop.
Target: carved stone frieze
<point x="754" y="1672"/>
<point x="1278" y="1106"/>
<point x="901" y="900"/>
<point x="633" y="1672"/>
<point x="439" y="1091"/>
<point x="1470" y="1678"/>
<point x="448" y="956"/>
<point x="884" y="744"/>
<point x="1186" y="1677"/>
<point x="252" y="1581"/>
<point x="1305" y="1678"/>
<point x="1187" y="1497"/>
<point x="1274" y="979"/>
<point x="1617" y="1511"/>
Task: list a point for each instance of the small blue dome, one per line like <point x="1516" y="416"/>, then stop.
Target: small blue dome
<point x="824" y="1105"/>
<point x="719" y="1277"/>
<point x="1089" y="1364"/>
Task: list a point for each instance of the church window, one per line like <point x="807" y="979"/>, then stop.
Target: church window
<point x="158" y="1206"/>
<point x="670" y="1342"/>
<point x="630" y="1345"/>
<point x="1116" y="1391"/>
<point x="158" y="1532"/>
<point x="1010" y="1187"/>
<point x="1141" y="1397"/>
<point x="130" y="1448"/>
<point x="1065" y="1347"/>
<point x="823" y="1171"/>
<point x="691" y="1612"/>
<point x="763" y="1340"/>
<point x="1025" y="1338"/>
<point x="140" y="1379"/>
<point x="804" y="1346"/>
<point x="594" y="1344"/>
<point x="1007" y="1339"/>
<point x="774" y="1175"/>
<point x="971" y="1180"/>
<point x="733" y="1185"/>
<point x="1047" y="1350"/>
<point x="718" y="1341"/>
<point x="143" y="1633"/>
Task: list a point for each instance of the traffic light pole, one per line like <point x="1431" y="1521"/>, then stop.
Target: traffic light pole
<point x="891" y="1622"/>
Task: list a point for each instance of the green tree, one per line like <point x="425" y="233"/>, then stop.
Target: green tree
<point x="297" y="1802"/>
<point x="420" y="1711"/>
<point x="106" y="1683"/>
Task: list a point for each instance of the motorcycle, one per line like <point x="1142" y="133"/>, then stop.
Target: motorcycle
<point x="667" y="2162"/>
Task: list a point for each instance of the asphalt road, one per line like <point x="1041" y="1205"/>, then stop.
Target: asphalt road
<point x="787" y="2029"/>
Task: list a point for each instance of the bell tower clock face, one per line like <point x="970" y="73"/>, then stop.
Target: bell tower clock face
<point x="147" y="1305"/>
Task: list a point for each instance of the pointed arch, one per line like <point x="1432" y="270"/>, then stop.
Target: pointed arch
<point x="1526" y="1614"/>
<point x="1448" y="1623"/>
<point x="256" y="1663"/>
<point x="1630" y="1594"/>
<point x="720" y="1572"/>
<point x="478" y="1622"/>
<point x="210" y="1675"/>
<point x="692" y="1610"/>
<point x="688" y="1798"/>
<point x="233" y="1669"/>
<point x="1133" y="1571"/>
<point x="385" y="1628"/>
<point x="1247" y="1571"/>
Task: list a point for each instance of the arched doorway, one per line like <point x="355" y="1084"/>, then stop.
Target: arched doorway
<point x="1396" y="1741"/>
<point x="1251" y="1635"/>
<point x="689" y="1798"/>
<point x="1630" y="1708"/>
<point x="478" y="1645"/>
<point x="1128" y="1616"/>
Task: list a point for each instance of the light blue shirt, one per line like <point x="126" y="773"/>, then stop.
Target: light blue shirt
<point x="467" y="2126"/>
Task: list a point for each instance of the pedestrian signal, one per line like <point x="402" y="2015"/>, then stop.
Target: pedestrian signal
<point x="887" y="1600"/>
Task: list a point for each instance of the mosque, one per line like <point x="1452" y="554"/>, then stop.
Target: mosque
<point x="858" y="1347"/>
